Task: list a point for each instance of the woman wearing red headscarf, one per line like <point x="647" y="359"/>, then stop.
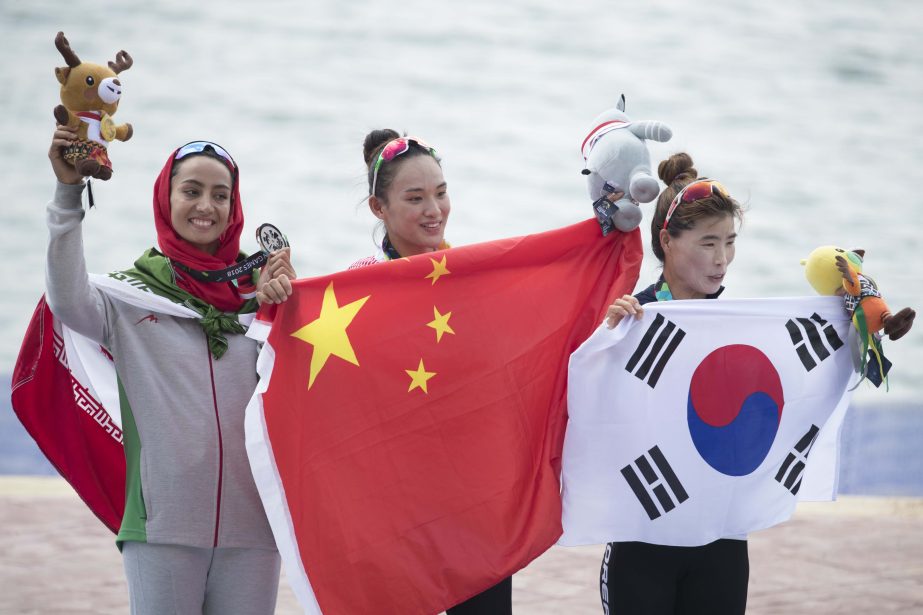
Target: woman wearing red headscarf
<point x="194" y="536"/>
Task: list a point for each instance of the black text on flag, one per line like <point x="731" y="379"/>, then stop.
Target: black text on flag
<point x="659" y="481"/>
<point x="812" y="351"/>
<point x="792" y="469"/>
<point x="649" y="355"/>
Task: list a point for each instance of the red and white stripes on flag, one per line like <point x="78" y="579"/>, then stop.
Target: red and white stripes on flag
<point x="705" y="419"/>
<point x="65" y="393"/>
<point x="62" y="392"/>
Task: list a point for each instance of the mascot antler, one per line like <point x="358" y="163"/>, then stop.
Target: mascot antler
<point x="60" y="41"/>
<point x="122" y="62"/>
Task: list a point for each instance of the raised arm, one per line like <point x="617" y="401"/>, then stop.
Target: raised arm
<point x="70" y="296"/>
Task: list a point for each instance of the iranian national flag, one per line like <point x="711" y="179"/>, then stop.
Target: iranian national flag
<point x="406" y="433"/>
<point x="65" y="393"/>
<point x="705" y="419"/>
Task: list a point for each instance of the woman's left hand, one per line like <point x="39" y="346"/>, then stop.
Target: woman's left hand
<point x="274" y="285"/>
<point x="625" y="306"/>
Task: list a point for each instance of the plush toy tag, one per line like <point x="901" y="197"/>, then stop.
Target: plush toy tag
<point x="604" y="211"/>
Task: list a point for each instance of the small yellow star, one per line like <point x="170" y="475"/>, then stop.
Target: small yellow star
<point x="328" y="332"/>
<point x="440" y="324"/>
<point x="439" y="269"/>
<point x="419" y="377"/>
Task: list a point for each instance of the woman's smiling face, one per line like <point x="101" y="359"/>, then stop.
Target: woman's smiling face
<point x="416" y="207"/>
<point x="200" y="201"/>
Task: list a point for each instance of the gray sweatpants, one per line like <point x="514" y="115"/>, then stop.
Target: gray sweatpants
<point x="179" y="580"/>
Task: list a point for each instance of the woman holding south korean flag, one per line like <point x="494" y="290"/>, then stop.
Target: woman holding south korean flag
<point x="693" y="234"/>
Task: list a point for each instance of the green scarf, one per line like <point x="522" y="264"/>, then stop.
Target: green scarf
<point x="155" y="272"/>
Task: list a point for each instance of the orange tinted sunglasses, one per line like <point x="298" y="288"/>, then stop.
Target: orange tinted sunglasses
<point x="699" y="189"/>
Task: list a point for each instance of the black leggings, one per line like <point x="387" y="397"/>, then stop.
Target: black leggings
<point x="498" y="600"/>
<point x="641" y="578"/>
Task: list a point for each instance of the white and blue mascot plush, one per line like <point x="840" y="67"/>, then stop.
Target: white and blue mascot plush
<point x="616" y="160"/>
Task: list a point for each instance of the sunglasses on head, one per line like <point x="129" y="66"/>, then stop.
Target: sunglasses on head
<point x="395" y="148"/>
<point x="197" y="147"/>
<point x="699" y="189"/>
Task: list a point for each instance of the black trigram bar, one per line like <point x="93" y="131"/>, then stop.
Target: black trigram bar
<point x="812" y="327"/>
<point x="789" y="474"/>
<point x="649" y="349"/>
<point x="664" y="485"/>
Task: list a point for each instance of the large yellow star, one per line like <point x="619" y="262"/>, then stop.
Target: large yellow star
<point x="440" y="324"/>
<point x="328" y="333"/>
<point x="419" y="377"/>
<point x="439" y="269"/>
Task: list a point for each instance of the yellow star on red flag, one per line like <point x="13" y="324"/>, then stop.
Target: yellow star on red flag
<point x="419" y="377"/>
<point x="440" y="324"/>
<point x="328" y="332"/>
<point x="439" y="269"/>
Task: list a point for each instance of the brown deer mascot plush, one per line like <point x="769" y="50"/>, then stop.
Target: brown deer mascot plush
<point x="90" y="95"/>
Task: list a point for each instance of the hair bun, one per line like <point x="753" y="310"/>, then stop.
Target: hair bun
<point x="375" y="140"/>
<point x="677" y="167"/>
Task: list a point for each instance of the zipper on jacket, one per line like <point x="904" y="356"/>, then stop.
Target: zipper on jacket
<point x="211" y="371"/>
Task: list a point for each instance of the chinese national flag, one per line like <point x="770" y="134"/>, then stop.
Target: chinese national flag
<point x="406" y="434"/>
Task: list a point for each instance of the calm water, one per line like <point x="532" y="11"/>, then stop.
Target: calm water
<point x="811" y="113"/>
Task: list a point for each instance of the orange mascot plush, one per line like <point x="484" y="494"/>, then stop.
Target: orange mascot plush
<point x="90" y="95"/>
<point x="835" y="271"/>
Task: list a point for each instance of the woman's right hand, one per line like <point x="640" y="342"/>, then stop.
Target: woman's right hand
<point x="622" y="308"/>
<point x="64" y="136"/>
<point x="274" y="284"/>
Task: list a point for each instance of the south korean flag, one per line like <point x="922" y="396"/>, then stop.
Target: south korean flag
<point x="705" y="419"/>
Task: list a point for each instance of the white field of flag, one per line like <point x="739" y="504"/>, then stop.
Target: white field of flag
<point x="616" y="419"/>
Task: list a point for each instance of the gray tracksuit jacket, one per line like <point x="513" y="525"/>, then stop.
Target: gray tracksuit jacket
<point x="188" y="480"/>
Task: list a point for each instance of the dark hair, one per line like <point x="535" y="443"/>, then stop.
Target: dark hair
<point x="376" y="141"/>
<point x="677" y="172"/>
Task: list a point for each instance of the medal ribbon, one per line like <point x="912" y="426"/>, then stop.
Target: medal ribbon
<point x="237" y="270"/>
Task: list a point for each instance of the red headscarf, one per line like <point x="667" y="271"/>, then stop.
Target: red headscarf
<point x="222" y="295"/>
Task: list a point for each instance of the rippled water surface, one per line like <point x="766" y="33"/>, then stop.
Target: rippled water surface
<point x="810" y="113"/>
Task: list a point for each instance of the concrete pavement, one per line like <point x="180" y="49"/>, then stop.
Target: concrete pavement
<point x="856" y="555"/>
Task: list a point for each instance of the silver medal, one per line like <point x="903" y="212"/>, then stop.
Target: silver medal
<point x="270" y="238"/>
